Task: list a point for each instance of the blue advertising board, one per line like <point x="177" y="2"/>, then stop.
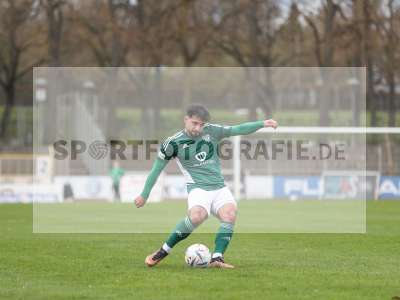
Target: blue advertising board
<point x="297" y="187"/>
<point x="389" y="187"/>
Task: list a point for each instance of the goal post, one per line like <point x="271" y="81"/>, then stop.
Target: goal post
<point x="349" y="184"/>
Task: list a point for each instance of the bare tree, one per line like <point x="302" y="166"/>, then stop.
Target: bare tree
<point x="249" y="38"/>
<point x="152" y="45"/>
<point x="193" y="26"/>
<point x="54" y="10"/>
<point x="389" y="34"/>
<point x="99" y="25"/>
<point x="19" y="39"/>
<point x="120" y="33"/>
<point x="324" y="27"/>
<point x="364" y="46"/>
<point x="292" y="38"/>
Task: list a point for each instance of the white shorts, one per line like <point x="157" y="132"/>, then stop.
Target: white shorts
<point x="212" y="201"/>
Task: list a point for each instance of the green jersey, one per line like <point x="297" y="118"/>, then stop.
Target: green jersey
<point x="116" y="174"/>
<point x="197" y="157"/>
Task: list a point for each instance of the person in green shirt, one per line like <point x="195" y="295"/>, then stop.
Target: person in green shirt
<point x="116" y="174"/>
<point x="195" y="150"/>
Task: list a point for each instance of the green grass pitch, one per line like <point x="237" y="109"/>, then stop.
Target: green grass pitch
<point x="269" y="266"/>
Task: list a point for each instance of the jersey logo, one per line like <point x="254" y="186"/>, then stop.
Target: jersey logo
<point x="201" y="156"/>
<point x="185" y="146"/>
<point x="206" y="137"/>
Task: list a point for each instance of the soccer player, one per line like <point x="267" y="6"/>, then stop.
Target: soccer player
<point x="195" y="150"/>
<point x="116" y="174"/>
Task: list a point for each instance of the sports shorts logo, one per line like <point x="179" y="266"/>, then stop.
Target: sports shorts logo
<point x="201" y="156"/>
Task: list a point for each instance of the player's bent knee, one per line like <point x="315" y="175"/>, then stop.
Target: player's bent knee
<point x="229" y="218"/>
<point x="228" y="214"/>
<point x="197" y="215"/>
<point x="197" y="218"/>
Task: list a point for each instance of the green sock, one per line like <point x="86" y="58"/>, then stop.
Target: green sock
<point x="182" y="230"/>
<point x="223" y="238"/>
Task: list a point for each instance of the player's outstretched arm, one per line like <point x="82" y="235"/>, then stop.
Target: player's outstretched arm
<point x="158" y="166"/>
<point x="250" y="127"/>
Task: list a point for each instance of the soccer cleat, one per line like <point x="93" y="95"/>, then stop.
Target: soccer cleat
<point x="218" y="262"/>
<point x="155" y="258"/>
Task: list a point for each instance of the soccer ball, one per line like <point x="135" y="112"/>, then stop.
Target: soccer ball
<point x="197" y="256"/>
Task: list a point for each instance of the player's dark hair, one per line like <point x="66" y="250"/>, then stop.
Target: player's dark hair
<point x="199" y="111"/>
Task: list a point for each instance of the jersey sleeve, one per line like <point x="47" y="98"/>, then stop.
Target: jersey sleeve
<point x="220" y="131"/>
<point x="151" y="180"/>
<point x="246" y="128"/>
<point x="168" y="150"/>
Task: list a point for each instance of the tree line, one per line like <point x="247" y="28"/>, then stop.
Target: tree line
<point x="269" y="33"/>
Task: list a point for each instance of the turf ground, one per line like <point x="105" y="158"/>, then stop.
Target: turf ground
<point x="269" y="266"/>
